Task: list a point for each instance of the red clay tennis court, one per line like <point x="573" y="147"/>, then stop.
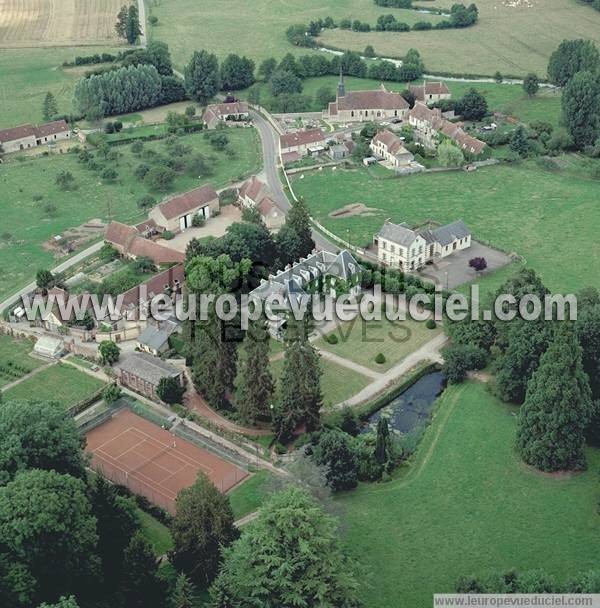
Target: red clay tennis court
<point x="151" y="461"/>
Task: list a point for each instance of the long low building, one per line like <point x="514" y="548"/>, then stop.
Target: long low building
<point x="131" y="243"/>
<point x="302" y="142"/>
<point x="27" y="136"/>
<point x="218" y="113"/>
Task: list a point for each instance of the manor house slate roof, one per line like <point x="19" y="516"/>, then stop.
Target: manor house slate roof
<point x="445" y="235"/>
<point x="398" y="233"/>
<point x="148" y="368"/>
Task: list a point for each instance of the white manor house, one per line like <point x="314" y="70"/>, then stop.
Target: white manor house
<point x="400" y="247"/>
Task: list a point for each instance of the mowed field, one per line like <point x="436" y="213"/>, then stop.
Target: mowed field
<point x="35" y="23"/>
<point x="513" y="39"/>
<point x="467" y="506"/>
<point x="548" y="217"/>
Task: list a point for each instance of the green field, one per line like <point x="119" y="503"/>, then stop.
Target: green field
<point x="62" y="383"/>
<point x="467" y="505"/>
<point x="26" y="223"/>
<point x="156" y="533"/>
<point x="509" y="99"/>
<point x="28" y="74"/>
<point x="361" y="341"/>
<point x="337" y="383"/>
<point x="15" y="361"/>
<point x="548" y="217"/>
<point x="513" y="39"/>
<point x="249" y="496"/>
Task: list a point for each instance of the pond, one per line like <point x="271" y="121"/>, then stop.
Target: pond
<point x="410" y="409"/>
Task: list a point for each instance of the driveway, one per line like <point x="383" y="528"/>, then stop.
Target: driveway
<point x="454" y="270"/>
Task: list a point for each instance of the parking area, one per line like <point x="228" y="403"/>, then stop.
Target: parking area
<point x="454" y="270"/>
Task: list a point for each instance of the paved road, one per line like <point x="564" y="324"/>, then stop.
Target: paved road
<point x="270" y="145"/>
<point x="143" y="40"/>
<point x="60" y="268"/>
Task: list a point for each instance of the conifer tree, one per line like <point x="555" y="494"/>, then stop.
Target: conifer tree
<point x="383" y="444"/>
<point x="49" y="108"/>
<point x="294" y="240"/>
<point x="183" y="594"/>
<point x="557" y="408"/>
<point x="132" y="25"/>
<point x="255" y="381"/>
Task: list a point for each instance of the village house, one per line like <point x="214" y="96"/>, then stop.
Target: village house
<point x="362" y="106"/>
<point x="293" y="146"/>
<point x="400" y="247"/>
<point x="255" y="194"/>
<point x="64" y="310"/>
<point x="321" y="272"/>
<point x="27" y="136"/>
<point x="177" y="213"/>
<point x="430" y="92"/>
<point x="389" y="147"/>
<point x="154" y="340"/>
<point x="220" y="113"/>
<point x="142" y="373"/>
<point x="131" y="243"/>
<point x="430" y="126"/>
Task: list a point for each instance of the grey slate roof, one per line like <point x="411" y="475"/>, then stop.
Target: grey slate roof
<point x="148" y="368"/>
<point x="398" y="233"/>
<point x="445" y="235"/>
<point x="153" y="338"/>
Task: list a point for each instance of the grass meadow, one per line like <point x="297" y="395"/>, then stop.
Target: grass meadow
<point x="26" y="223"/>
<point x="466" y="506"/>
<point x="548" y="217"/>
<point x="62" y="383"/>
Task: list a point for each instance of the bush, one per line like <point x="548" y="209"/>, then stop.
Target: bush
<point x="331" y="339"/>
<point x="198" y="221"/>
<point x="167" y="235"/>
<point x="430" y="324"/>
<point x="380" y="359"/>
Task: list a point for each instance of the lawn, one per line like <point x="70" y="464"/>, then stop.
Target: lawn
<point x="156" y="533"/>
<point x="258" y="27"/>
<point x="361" y="341"/>
<point x="337" y="383"/>
<point x="548" y="217"/>
<point x="27" y="223"/>
<point x="467" y="505"/>
<point x="62" y="383"/>
<point x="506" y="98"/>
<point x="249" y="496"/>
<point x="15" y="361"/>
<point x="512" y="39"/>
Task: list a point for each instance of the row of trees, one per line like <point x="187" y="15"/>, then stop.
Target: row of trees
<point x="550" y="368"/>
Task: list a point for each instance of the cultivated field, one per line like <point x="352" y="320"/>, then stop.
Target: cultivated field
<point x="35" y="23"/>
<point x="28" y="220"/>
<point x="537" y="213"/>
<point x="467" y="506"/>
<point x="513" y="37"/>
<point x="15" y="359"/>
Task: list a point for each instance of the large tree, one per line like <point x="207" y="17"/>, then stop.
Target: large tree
<point x="581" y="108"/>
<point x="336" y="452"/>
<point x="531" y="84"/>
<point x="49" y="107"/>
<point x="557" y="408"/>
<point x="290" y="556"/>
<point x="236" y="73"/>
<point x="202" y="79"/>
<point x="294" y="240"/>
<point x="132" y="25"/>
<point x="37" y="435"/>
<point x="255" y="381"/>
<point x="47" y="527"/>
<point x="141" y="584"/>
<point x="472" y="106"/>
<point x="202" y="527"/>
<point x="570" y="57"/>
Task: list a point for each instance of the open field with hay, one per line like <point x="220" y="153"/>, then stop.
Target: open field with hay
<point x="35" y="23"/>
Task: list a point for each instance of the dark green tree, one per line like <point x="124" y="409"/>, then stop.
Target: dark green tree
<point x="518" y="141"/>
<point x="184" y="593"/>
<point x="383" y="444"/>
<point x="121" y="23"/>
<point x="289" y="556"/>
<point x="63" y="602"/>
<point x="202" y="76"/>
<point x="336" y="452"/>
<point x="557" y="408"/>
<point x="254" y="383"/>
<point x="44" y="279"/>
<point x="570" y="57"/>
<point x="294" y="240"/>
<point x="49" y="108"/>
<point x="141" y="585"/>
<point x="285" y="82"/>
<point x="581" y="108"/>
<point x="202" y="527"/>
<point x="236" y="73"/>
<point x="266" y="68"/>
<point x="472" y="106"/>
<point x="109" y="352"/>
<point x="132" y="25"/>
<point x="170" y="390"/>
<point x="531" y="84"/>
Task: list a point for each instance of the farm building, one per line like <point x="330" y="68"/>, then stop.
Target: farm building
<point x="252" y="192"/>
<point x="219" y="113"/>
<point x="430" y="92"/>
<point x="302" y="142"/>
<point x="177" y="213"/>
<point x="362" y="106"/>
<point x="25" y="137"/>
<point x="400" y="247"/>
<point x="142" y="372"/>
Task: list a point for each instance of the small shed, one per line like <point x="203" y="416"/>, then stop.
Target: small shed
<point x="48" y="346"/>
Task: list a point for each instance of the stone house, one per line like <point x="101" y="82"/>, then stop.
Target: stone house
<point x="389" y="147"/>
<point x="252" y="192"/>
<point x="220" y="113"/>
<point x="400" y="247"/>
<point x="363" y="106"/>
<point x="177" y="213"/>
<point x="302" y="143"/>
<point x="430" y="92"/>
<point x="25" y="137"/>
<point x="131" y="243"/>
<point x="142" y="373"/>
<point x="272" y="215"/>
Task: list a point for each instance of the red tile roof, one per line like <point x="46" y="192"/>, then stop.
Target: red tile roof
<point x="391" y="140"/>
<point x="190" y="201"/>
<point x="52" y="128"/>
<point x="17" y="133"/>
<point x="157" y="284"/>
<point x="266" y="206"/>
<point x="141" y="247"/>
<point x="120" y="234"/>
<point x="302" y="138"/>
<point x="422" y="91"/>
<point x="252" y="188"/>
<point x="371" y="100"/>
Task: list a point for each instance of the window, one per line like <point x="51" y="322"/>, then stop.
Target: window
<point x="392" y="249"/>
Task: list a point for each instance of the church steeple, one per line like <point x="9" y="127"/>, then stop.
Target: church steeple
<point x="341" y="92"/>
